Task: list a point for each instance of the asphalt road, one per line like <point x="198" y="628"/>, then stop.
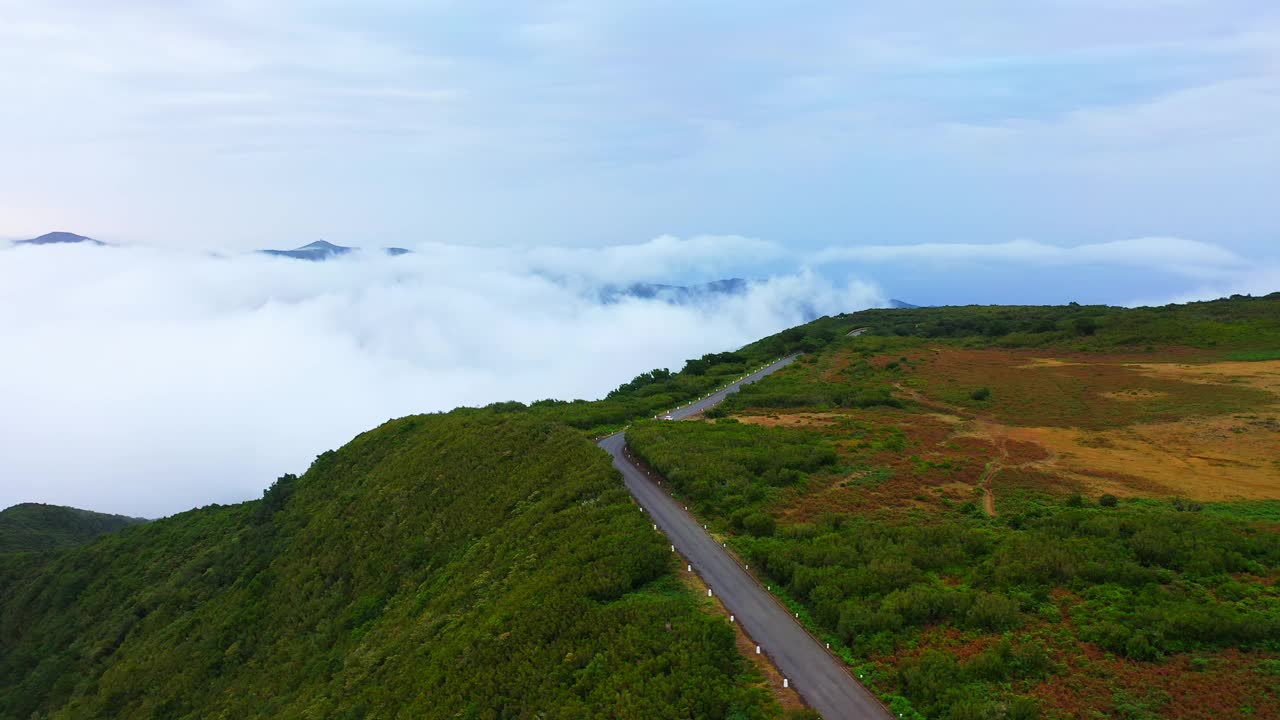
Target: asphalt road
<point x="718" y="397"/>
<point x="823" y="681"/>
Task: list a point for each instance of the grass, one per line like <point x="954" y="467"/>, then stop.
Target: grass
<point x="1254" y="355"/>
<point x="1252" y="510"/>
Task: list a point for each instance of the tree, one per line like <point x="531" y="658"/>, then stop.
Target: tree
<point x="1085" y="326"/>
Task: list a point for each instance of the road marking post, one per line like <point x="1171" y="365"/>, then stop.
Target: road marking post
<point x="708" y="592"/>
<point x="757" y="649"/>
<point x="785" y="683"/>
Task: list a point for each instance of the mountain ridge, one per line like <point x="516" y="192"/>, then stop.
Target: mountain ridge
<point x="59" y="237"/>
<point x="38" y="526"/>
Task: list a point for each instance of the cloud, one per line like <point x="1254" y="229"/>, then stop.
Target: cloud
<point x="148" y="381"/>
<point x="1258" y="280"/>
<point x="296" y="119"/>
<point x="1169" y="254"/>
<point x="663" y="258"/>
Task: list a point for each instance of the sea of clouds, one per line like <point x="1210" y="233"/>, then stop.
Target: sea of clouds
<point x="147" y="381"/>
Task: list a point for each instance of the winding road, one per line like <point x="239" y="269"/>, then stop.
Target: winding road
<point x="823" y="681"/>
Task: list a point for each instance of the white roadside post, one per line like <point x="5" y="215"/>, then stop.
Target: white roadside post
<point x="757" y="649"/>
<point x="785" y="683"/>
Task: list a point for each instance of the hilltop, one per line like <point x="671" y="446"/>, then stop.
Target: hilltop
<point x="36" y="526"/>
<point x="437" y="566"/>
<point x="56" y="238"/>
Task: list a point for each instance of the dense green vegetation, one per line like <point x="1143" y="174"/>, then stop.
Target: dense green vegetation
<point x="1247" y="323"/>
<point x="726" y="468"/>
<point x="970" y="616"/>
<point x="442" y="566"/>
<point x="488" y="564"/>
<point x="1142" y="580"/>
<point x="36" y="526"/>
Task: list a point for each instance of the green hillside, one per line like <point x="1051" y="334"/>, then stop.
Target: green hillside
<point x="1015" y="512"/>
<point x="488" y="563"/>
<point x="436" y="567"/>
<point x="35" y="526"/>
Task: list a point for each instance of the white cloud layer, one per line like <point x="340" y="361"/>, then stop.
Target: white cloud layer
<point x="1168" y="254"/>
<point x="146" y="382"/>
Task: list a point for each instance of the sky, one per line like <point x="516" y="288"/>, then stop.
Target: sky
<point x="836" y="154"/>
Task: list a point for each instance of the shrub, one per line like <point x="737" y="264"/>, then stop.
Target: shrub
<point x="759" y="524"/>
<point x="1184" y="505"/>
<point x="992" y="611"/>
<point x="1108" y="500"/>
<point x="981" y="394"/>
<point x="1086" y="326"/>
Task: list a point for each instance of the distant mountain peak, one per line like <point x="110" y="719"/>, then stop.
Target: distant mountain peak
<point x="323" y="250"/>
<point x="60" y="237"/>
<point x="674" y="294"/>
<point x="901" y="305"/>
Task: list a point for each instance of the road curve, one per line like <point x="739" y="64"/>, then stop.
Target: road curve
<point x="824" y="682"/>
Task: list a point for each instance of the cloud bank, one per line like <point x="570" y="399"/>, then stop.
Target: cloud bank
<point x="146" y="382"/>
<point x="1168" y="254"/>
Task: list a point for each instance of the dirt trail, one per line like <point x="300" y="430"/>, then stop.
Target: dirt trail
<point x="988" y="497"/>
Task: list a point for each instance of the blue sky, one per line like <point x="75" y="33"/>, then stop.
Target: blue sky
<point x="808" y="125"/>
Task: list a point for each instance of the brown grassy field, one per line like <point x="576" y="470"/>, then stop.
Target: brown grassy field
<point x="1058" y="424"/>
<point x="1105" y="424"/>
